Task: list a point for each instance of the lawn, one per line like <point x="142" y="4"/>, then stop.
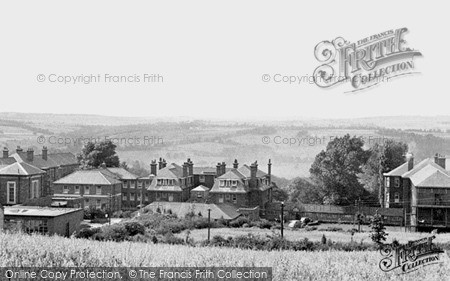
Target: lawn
<point x="316" y="235"/>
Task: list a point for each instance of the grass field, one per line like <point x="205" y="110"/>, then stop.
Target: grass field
<point x="316" y="235"/>
<point x="23" y="250"/>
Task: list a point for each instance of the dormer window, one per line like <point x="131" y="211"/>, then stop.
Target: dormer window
<point x="234" y="183"/>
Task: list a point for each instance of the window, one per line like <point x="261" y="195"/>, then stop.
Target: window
<point x="38" y="226"/>
<point x="86" y="200"/>
<point x="227" y="197"/>
<point x="146" y="198"/>
<point x="437" y="199"/>
<point x="86" y="190"/>
<point x="202" y="179"/>
<point x="125" y="184"/>
<point x="221" y="198"/>
<point x="158" y="195"/>
<point x="396" y="182"/>
<point x="396" y="197"/>
<point x="222" y="183"/>
<point x="234" y="198"/>
<point x="387" y="182"/>
<point x="139" y="197"/>
<point x="34" y="193"/>
<point x="159" y="182"/>
<point x="163" y="195"/>
<point x="65" y="189"/>
<point x="11" y="195"/>
<point x="77" y="189"/>
<point x="234" y="183"/>
<point x="99" y="203"/>
<point x="199" y="194"/>
<point x="132" y="198"/>
<point x="99" y="190"/>
<point x="132" y="184"/>
<point x="124" y="197"/>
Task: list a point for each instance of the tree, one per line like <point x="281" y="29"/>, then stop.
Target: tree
<point x="95" y="154"/>
<point x="336" y="169"/>
<point x="383" y="158"/>
<point x="303" y="190"/>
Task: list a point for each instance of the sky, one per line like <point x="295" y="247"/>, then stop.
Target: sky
<point x="207" y="59"/>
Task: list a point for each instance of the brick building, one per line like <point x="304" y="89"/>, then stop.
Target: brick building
<point x="245" y="186"/>
<point x="21" y="183"/>
<point x="99" y="188"/>
<point x="242" y="187"/>
<point x="422" y="190"/>
<point x="44" y="220"/>
<point x="55" y="165"/>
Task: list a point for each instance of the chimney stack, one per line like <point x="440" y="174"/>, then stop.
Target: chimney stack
<point x="440" y="160"/>
<point x="45" y="153"/>
<point x="153" y="167"/>
<point x="218" y="169"/>
<point x="164" y="163"/>
<point x="224" y="168"/>
<point x="190" y="167"/>
<point x="30" y="154"/>
<point x="235" y="164"/>
<point x="410" y="159"/>
<point x="253" y="171"/>
<point x="160" y="164"/>
<point x="185" y="169"/>
<point x="5" y="152"/>
<point x="19" y="149"/>
<point x="269" y="171"/>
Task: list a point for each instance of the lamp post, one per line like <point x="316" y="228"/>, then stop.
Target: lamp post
<point x="282" y="219"/>
<point x="209" y="224"/>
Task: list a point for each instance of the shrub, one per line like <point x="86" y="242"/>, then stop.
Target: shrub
<point x="88" y="233"/>
<point x="265" y="224"/>
<point x="134" y="228"/>
<point x="239" y="222"/>
<point x="378" y="234"/>
<point x="115" y="232"/>
<point x="169" y="238"/>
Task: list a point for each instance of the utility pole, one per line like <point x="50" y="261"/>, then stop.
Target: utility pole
<point x="209" y="224"/>
<point x="110" y="207"/>
<point x="282" y="219"/>
<point x="359" y="215"/>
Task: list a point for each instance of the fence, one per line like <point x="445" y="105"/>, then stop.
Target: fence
<point x="334" y="214"/>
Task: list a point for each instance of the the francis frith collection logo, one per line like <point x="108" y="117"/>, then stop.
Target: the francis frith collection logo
<point x="411" y="256"/>
<point x="366" y="63"/>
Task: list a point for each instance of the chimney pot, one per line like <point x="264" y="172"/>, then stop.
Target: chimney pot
<point x="45" y="153"/>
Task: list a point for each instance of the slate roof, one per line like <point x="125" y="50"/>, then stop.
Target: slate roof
<point x="89" y="177"/>
<point x="218" y="211"/>
<point x="123" y="174"/>
<point x="20" y="169"/>
<point x="399" y="171"/>
<point x="245" y="170"/>
<point x="436" y="179"/>
<point x="53" y="159"/>
<point x="204" y="170"/>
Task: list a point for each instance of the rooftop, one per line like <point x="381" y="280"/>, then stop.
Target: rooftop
<point x="89" y="177"/>
<point x="28" y="211"/>
<point x="218" y="211"/>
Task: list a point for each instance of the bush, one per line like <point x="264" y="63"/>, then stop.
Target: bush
<point x="88" y="233"/>
<point x="239" y="222"/>
<point x="115" y="232"/>
<point x="169" y="238"/>
<point x="378" y="234"/>
<point x="134" y="228"/>
<point x="265" y="224"/>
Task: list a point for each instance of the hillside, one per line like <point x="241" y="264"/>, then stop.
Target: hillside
<point x="290" y="144"/>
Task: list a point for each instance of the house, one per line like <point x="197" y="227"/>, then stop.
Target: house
<point x="245" y="186"/>
<point x="422" y="190"/>
<point x="171" y="183"/>
<point x="55" y="165"/>
<point x="43" y="220"/>
<point x="99" y="188"/>
<point x="133" y="192"/>
<point x="22" y="183"/>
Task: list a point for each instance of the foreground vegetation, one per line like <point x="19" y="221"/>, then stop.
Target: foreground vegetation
<point x="40" y="251"/>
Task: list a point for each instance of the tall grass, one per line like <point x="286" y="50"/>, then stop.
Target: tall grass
<point x="40" y="251"/>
